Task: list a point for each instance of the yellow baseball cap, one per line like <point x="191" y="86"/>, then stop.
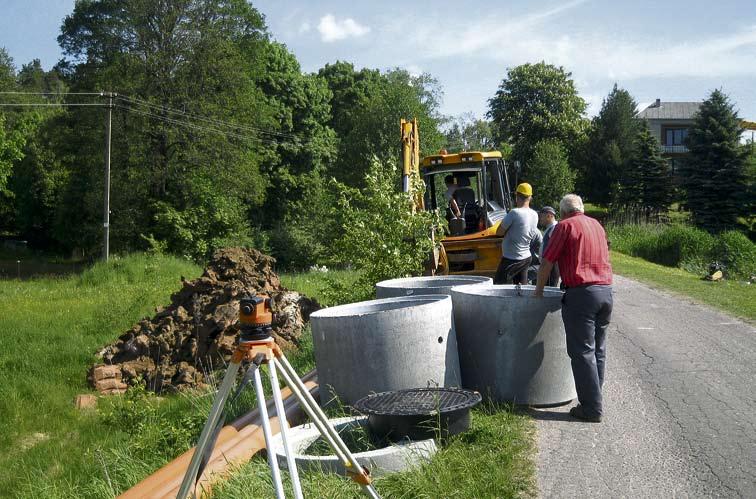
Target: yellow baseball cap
<point x="525" y="189"/>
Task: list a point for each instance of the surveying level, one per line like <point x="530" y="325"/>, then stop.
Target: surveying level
<point x="255" y="317"/>
<point x="256" y="346"/>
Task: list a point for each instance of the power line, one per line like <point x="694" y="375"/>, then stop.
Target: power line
<point x="185" y="123"/>
<point x="136" y="101"/>
<point x="235" y="127"/>
<point x="205" y="128"/>
<point x="50" y="93"/>
<point x="44" y="104"/>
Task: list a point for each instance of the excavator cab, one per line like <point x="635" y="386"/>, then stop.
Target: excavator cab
<point x="482" y="194"/>
<point x="480" y="189"/>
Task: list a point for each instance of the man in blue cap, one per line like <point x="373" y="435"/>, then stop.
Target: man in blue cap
<point x="547" y="220"/>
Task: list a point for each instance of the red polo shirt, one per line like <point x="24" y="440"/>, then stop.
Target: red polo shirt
<point x="578" y="244"/>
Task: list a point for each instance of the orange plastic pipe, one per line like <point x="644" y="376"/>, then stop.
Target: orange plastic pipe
<point x="236" y="444"/>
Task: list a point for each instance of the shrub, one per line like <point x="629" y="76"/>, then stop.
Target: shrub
<point x="737" y="253"/>
<point x="381" y="236"/>
<point x="686" y="247"/>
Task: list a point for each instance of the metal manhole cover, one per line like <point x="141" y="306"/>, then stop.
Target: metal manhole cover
<point x="418" y="402"/>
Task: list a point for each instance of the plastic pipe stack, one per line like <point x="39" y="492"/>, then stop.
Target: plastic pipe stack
<point x="511" y="345"/>
<point x="383" y="345"/>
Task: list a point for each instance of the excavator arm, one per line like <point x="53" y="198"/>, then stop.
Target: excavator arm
<point x="411" y="157"/>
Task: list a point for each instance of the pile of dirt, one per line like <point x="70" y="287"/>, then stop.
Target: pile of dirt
<point x="196" y="334"/>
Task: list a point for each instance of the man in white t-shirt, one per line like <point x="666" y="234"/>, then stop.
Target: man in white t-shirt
<point x="520" y="230"/>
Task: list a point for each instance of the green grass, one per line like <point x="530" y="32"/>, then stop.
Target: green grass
<point x="738" y="298"/>
<point x="50" y="330"/>
<point x="316" y="284"/>
<point x="493" y="459"/>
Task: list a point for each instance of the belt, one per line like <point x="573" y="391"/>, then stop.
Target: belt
<point x="585" y="285"/>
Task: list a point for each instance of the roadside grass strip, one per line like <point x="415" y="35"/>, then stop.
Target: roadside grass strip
<point x="732" y="296"/>
<point x="50" y="330"/>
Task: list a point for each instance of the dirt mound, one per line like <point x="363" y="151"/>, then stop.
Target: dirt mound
<point x="196" y="333"/>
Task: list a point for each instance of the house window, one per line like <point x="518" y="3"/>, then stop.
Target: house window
<point x="676" y="136"/>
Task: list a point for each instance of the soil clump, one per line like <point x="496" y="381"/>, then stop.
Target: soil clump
<point x="196" y="334"/>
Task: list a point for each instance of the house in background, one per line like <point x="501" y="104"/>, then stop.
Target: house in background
<point x="669" y="122"/>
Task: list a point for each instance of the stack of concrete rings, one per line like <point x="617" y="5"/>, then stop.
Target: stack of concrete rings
<point x="512" y="345"/>
<point x="384" y="345"/>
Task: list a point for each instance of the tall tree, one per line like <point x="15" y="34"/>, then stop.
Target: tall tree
<point x="610" y="147"/>
<point x="372" y="129"/>
<point x="467" y="133"/>
<point x="714" y="174"/>
<point x="550" y="173"/>
<point x="656" y="187"/>
<point x="537" y="102"/>
<point x="171" y="60"/>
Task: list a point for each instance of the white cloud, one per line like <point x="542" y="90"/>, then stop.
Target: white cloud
<point x="413" y="69"/>
<point x="591" y="55"/>
<point x="332" y="29"/>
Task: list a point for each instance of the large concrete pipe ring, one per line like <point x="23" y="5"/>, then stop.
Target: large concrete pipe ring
<point x="430" y="285"/>
<point x="512" y="345"/>
<point x="383" y="345"/>
<point x="383" y="461"/>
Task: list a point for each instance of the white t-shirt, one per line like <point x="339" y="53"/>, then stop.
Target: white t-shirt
<point x="450" y="192"/>
<point x="522" y="228"/>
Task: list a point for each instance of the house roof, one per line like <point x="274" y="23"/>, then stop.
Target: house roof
<point x="670" y="111"/>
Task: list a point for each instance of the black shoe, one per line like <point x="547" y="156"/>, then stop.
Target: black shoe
<point x="577" y="412"/>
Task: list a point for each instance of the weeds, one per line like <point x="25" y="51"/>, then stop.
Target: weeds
<point x="686" y="247"/>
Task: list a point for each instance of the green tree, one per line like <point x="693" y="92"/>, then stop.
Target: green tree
<point x="714" y="174"/>
<point x="297" y="200"/>
<point x="380" y="234"/>
<point x="350" y="90"/>
<point x="372" y="129"/>
<point x="550" y="173"/>
<point x="468" y="133"/>
<point x="171" y="61"/>
<point x="610" y="147"/>
<point x="655" y="177"/>
<point x="537" y="102"/>
<point x="750" y="205"/>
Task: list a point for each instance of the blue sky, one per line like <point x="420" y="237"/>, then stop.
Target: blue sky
<point x="673" y="49"/>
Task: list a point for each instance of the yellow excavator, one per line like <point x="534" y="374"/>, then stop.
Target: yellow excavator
<point x="478" y="183"/>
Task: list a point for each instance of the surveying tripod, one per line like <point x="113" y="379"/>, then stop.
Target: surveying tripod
<point x="257" y="346"/>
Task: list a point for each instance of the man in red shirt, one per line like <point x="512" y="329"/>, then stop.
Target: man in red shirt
<point x="578" y="244"/>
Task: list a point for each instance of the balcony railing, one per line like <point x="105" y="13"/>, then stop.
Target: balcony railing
<point x="673" y="149"/>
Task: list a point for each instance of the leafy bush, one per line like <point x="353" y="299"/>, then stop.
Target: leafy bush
<point x="686" y="247"/>
<point x="380" y="234"/>
<point x="737" y="253"/>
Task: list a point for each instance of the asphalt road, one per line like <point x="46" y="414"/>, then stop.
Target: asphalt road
<point x="679" y="402"/>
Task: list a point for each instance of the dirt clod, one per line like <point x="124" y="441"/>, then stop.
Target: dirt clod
<point x="196" y="334"/>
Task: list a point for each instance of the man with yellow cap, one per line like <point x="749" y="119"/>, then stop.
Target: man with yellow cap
<point x="520" y="230"/>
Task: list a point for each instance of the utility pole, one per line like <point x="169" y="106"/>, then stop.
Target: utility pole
<point x="106" y="208"/>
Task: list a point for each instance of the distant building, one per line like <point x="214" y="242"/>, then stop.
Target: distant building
<point x="669" y="122"/>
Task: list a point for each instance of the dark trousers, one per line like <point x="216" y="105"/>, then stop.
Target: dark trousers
<point x="512" y="271"/>
<point x="586" y="312"/>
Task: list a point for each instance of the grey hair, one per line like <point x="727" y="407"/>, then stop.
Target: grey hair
<point x="571" y="203"/>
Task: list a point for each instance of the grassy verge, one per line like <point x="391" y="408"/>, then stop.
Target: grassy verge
<point x="51" y="329"/>
<point x="493" y="459"/>
<point x="738" y="298"/>
<point x="315" y="284"/>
